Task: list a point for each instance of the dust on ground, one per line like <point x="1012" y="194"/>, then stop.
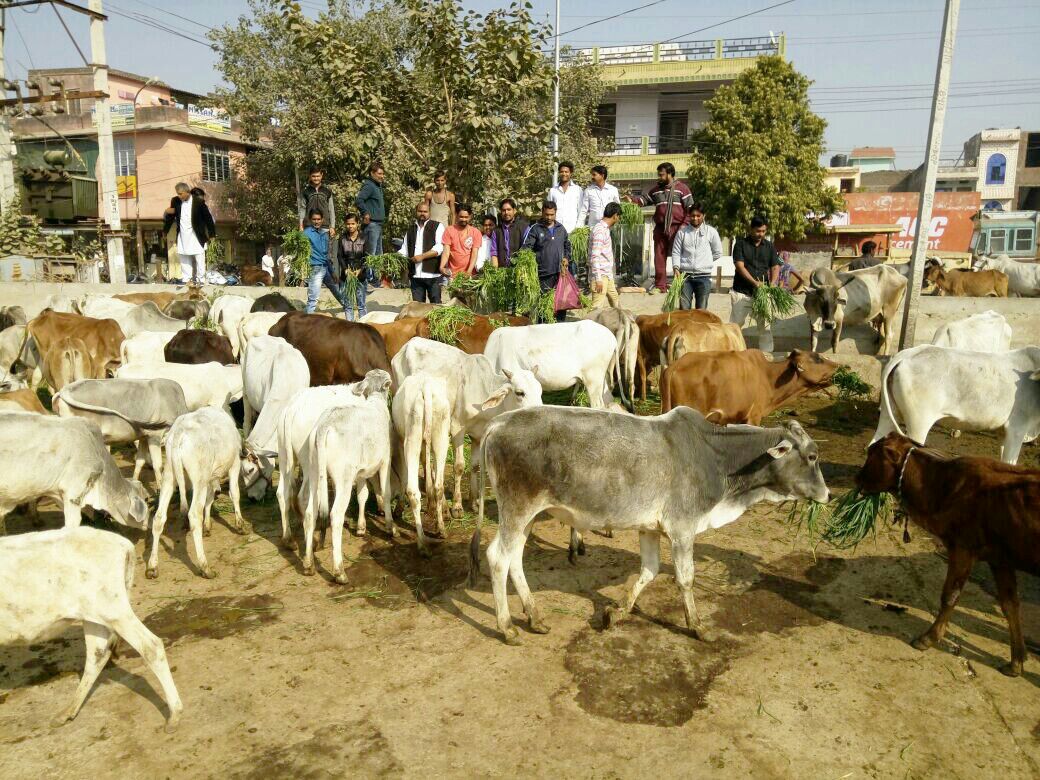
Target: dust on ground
<point x="809" y="672"/>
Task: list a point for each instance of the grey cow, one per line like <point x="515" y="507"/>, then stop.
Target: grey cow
<point x="575" y="464"/>
<point x="622" y="323"/>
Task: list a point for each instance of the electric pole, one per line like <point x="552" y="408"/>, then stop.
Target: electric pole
<point x="931" y="168"/>
<point x="556" y="94"/>
<point x="7" y="189"/>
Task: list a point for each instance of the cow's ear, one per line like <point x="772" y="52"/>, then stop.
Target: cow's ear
<point x="781" y="449"/>
<point x="358" y="388"/>
<point x="1035" y="375"/>
<point x="495" y="399"/>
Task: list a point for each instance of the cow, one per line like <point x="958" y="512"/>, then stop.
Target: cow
<point x="63" y="304"/>
<point x="417" y="309"/>
<point x="101" y="337"/>
<point x="273" y="372"/>
<point x="652" y="330"/>
<point x="66" y="460"/>
<point x="622" y="323"/>
<point x="692" y="336"/>
<point x="971" y="391"/>
<point x="226" y="313"/>
<point x="273" y="302"/>
<point x="422" y="420"/>
<point x="68" y="360"/>
<point x="147" y="347"/>
<point x="396" y="334"/>
<point x="741" y="387"/>
<point x="870" y="295"/>
<point x="126" y="410"/>
<point x="205" y="384"/>
<point x="254" y="276"/>
<point x="188" y="310"/>
<point x="199" y="346"/>
<point x="337" y="351"/>
<point x="102" y="307"/>
<point x="965" y="283"/>
<point x="202" y="450"/>
<point x="1023" y="279"/>
<point x="19" y="356"/>
<point x="295" y="430"/>
<point x="477" y="393"/>
<point x="352" y="445"/>
<point x="49" y="579"/>
<point x="560" y="355"/>
<point x="472" y="339"/>
<point x="980" y="509"/>
<point x="12" y="315"/>
<point x="986" y="331"/>
<point x="576" y="465"/>
<point x="163" y="299"/>
<point x="24" y="400"/>
<point x="379" y="317"/>
<point x="255" y="324"/>
<point x="147" y="318"/>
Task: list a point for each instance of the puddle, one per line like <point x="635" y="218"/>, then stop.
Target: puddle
<point x="213" y="617"/>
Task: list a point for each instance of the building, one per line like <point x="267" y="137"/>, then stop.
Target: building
<point x="842" y="176"/>
<point x="161" y="136"/>
<point x="873" y="158"/>
<point x="1027" y="177"/>
<point x="656" y="99"/>
<point x="1012" y="233"/>
<point x="987" y="165"/>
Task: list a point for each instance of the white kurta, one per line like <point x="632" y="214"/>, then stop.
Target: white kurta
<point x="187" y="241"/>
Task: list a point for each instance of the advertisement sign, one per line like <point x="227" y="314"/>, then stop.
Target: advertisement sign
<point x="213" y="119"/>
<point x="126" y="186"/>
<point x="122" y="115"/>
<point x="951" y="228"/>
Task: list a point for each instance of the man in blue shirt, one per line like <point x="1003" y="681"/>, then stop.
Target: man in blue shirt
<point x="321" y="263"/>
<point x="371" y="204"/>
<point x="550" y="243"/>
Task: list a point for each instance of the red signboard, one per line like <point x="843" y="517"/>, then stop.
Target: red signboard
<point x="951" y="226"/>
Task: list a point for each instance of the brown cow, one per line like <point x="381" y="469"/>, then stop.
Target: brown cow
<point x="692" y="336"/>
<point x="741" y="387"/>
<point x="397" y="333"/>
<point x="196" y="346"/>
<point x="966" y="284"/>
<point x="163" y="299"/>
<point x="252" y="275"/>
<point x="24" y="400"/>
<point x="103" y="338"/>
<point x="68" y="360"/>
<point x="980" y="508"/>
<point x="652" y="330"/>
<point x="336" y="351"/>
<point x="473" y="338"/>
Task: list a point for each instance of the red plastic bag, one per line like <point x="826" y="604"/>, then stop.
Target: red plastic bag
<point x="566" y="293"/>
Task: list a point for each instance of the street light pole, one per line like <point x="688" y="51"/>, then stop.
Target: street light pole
<point x="556" y="94"/>
<point x="137" y="183"/>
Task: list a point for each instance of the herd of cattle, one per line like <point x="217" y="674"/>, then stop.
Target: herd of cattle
<point x="377" y="405"/>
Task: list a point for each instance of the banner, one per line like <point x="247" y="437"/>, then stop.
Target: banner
<point x="951" y="228"/>
<point x="122" y="115"/>
<point x="126" y="186"/>
<point x="213" y="119"/>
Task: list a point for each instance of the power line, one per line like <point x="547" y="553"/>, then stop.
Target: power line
<point x="927" y="108"/>
<point x="727" y="21"/>
<point x="609" y="18"/>
<point x="901" y="12"/>
<point x="177" y="16"/>
<point x="24" y="46"/>
<point x="158" y="25"/>
<point x="69" y="33"/>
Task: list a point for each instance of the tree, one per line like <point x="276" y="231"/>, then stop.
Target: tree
<point x="759" y="152"/>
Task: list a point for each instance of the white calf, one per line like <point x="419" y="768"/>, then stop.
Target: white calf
<point x="226" y="312"/>
<point x="259" y="323"/>
<point x="145" y="347"/>
<point x="203" y="445"/>
<point x="204" y="384"/>
<point x="50" y="579"/>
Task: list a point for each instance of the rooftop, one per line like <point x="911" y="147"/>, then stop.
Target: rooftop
<point x="883" y="152"/>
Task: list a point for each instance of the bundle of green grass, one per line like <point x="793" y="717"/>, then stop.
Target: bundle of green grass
<point x="390" y="265"/>
<point x="446" y="322"/>
<point x="844" y="523"/>
<point x="297" y="248"/>
<point x="771" y="302"/>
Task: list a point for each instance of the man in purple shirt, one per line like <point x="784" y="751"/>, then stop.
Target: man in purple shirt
<point x="508" y="236"/>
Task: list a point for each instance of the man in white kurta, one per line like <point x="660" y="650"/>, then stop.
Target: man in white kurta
<point x="192" y="254"/>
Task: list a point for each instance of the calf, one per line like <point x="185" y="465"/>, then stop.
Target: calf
<point x="203" y="446"/>
<point x="1023" y="279"/>
<point x="273" y="302"/>
<point x="869" y="295"/>
<point x="199" y="346"/>
<point x="101" y="337"/>
<point x="962" y="283"/>
<point x="68" y="360"/>
<point x="12" y="315"/>
<point x="652" y="330"/>
<point x="49" y="579"/>
<point x="24" y="400"/>
<point x="622" y="323"/>
<point x="254" y="276"/>
<point x="255" y="324"/>
<point x="226" y="312"/>
<point x="206" y="384"/>
<point x="147" y="317"/>
<point x="19" y="356"/>
<point x="417" y="309"/>
<point x="359" y="439"/>
<point x="692" y="336"/>
<point x="337" y="351"/>
<point x="741" y="387"/>
<point x="396" y="334"/>
<point x="190" y="292"/>
<point x="187" y="310"/>
<point x="980" y="509"/>
<point x="575" y="464"/>
<point x="147" y="347"/>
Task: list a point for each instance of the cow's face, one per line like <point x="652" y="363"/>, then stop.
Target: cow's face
<point x="256" y="473"/>
<point x="826" y="302"/>
<point x="376" y="381"/>
<point x="521" y="390"/>
<point x="984" y="263"/>
<point x="885" y="460"/>
<point x="812" y="368"/>
<point x="796" y="467"/>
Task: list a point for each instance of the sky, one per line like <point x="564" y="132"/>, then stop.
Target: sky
<point x="872" y="64"/>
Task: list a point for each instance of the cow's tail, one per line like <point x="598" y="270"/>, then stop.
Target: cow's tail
<point x="474" y="543"/>
<point x="618" y="373"/>
<point x="886" y="392"/>
<point x="427" y="434"/>
<point x="21" y="351"/>
<point x="85" y="407"/>
<point x="321" y="500"/>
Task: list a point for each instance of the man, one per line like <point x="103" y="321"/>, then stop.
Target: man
<point x="441" y="200"/>
<point x="550" y="243"/>
<point x="351" y="250"/>
<point x="755" y="262"/>
<point x="315" y="196"/>
<point x="596" y="197"/>
<point x="321" y="262"/>
<point x="672" y="199"/>
<point x="461" y="244"/>
<point x="696" y="249"/>
<point x="423" y="245"/>
<point x="488" y="224"/>
<point x="267" y="262"/>
<point x="508" y="235"/>
<point x="567" y="197"/>
<point x="371" y="204"/>
<point x="195" y="227"/>
<point x="601" y="258"/>
<point x="865" y="260"/>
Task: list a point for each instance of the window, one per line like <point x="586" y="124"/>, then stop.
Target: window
<point x="996" y="169"/>
<point x="672" y="137"/>
<point x="126" y="159"/>
<point x="1023" y="240"/>
<point x="1033" y="150"/>
<point x="992" y="205"/>
<point x="606" y="121"/>
<point x="216" y="163"/>
<point x="997" y="240"/>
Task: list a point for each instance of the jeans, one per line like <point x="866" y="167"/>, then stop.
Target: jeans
<point x="423" y="289"/>
<point x="362" y="292"/>
<point x="374" y="238"/>
<point x="695" y="292"/>
<point x="320" y="274"/>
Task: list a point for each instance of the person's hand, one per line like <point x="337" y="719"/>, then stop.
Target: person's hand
<point x="332" y="232"/>
<point x="563" y="266"/>
<point x="601" y="285"/>
<point x="757" y="283"/>
<point x="417" y="258"/>
<point x="676" y="269"/>
<point x="170" y="210"/>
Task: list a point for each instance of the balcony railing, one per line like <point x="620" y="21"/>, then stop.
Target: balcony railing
<point x="681" y="51"/>
<point x="651" y="144"/>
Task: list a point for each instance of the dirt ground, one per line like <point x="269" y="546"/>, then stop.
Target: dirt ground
<point x="402" y="671"/>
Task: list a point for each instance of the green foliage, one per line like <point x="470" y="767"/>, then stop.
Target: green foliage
<point x="21" y="234"/>
<point x="546" y="307"/>
<point x="759" y="152"/>
<point x="771" y="303"/>
<point x="850" y="384"/>
<point x="497" y="323"/>
<point x="350" y="288"/>
<point x="489" y="291"/>
<point x="389" y="265"/>
<point x="854" y="517"/>
<point x="525" y="281"/>
<point x="631" y="215"/>
<point x="446" y="322"/>
<point x="674" y="295"/>
<point x="580" y="245"/>
<point x="297" y="248"/>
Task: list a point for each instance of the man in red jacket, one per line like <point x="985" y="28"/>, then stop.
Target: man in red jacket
<point x="672" y="200"/>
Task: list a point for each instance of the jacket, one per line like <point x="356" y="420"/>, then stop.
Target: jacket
<point x="517" y="231"/>
<point x="351" y="253"/>
<point x="696" y="249"/>
<point x="427" y="242"/>
<point x="677" y="195"/>
<point x="319" y="199"/>
<point x="371" y="200"/>
<point x="550" y="244"/>
<point x="201" y="219"/>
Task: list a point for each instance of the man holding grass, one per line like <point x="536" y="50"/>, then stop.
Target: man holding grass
<point x="755" y="262"/>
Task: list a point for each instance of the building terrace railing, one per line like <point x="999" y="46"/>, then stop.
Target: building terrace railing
<point x="650" y="144"/>
<point x="681" y="51"/>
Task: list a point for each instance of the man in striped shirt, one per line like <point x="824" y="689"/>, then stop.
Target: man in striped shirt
<point x="601" y="259"/>
<point x="672" y="200"/>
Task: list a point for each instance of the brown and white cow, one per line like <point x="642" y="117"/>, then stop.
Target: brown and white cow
<point x="869" y="295"/>
<point x="24" y="400"/>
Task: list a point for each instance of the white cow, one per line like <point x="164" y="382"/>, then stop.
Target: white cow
<point x="102" y="307"/>
<point x="258" y="323"/>
<point x="352" y="445"/>
<point x="1023" y="278"/>
<point x="986" y="331"/>
<point x="146" y="347"/>
<point x="422" y="416"/>
<point x="51" y="579"/>
<point x="203" y="446"/>
<point x="477" y="393"/>
<point x="204" y="384"/>
<point x="973" y="391"/>
<point x="379" y="317"/>
<point x="560" y="355"/>
<point x="133" y="318"/>
<point x="64" y="459"/>
<point x="226" y="312"/>
<point x="870" y="295"/>
<point x="61" y="303"/>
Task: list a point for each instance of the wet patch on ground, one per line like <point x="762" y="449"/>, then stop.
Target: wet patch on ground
<point x="356" y="749"/>
<point x="214" y="617"/>
<point x="38" y="663"/>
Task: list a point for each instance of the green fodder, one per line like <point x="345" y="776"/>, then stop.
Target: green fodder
<point x="203" y="322"/>
<point x="580" y="246"/>
<point x="297" y="248"/>
<point x="854" y="517"/>
<point x="389" y="265"/>
<point x="771" y="303"/>
<point x="525" y="282"/>
<point x="497" y="323"/>
<point x="810" y="514"/>
<point x="850" y="384"/>
<point x="631" y="214"/>
<point x="546" y="308"/>
<point x="350" y="288"/>
<point x="674" y="294"/>
<point x="584" y="301"/>
<point x="446" y="322"/>
<point x="490" y="290"/>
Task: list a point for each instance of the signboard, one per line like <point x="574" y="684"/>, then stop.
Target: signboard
<point x="122" y="115"/>
<point x="213" y="119"/>
<point x="126" y="186"/>
<point x="952" y="213"/>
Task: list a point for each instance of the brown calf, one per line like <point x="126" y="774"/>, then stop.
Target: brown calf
<point x="652" y="330"/>
<point x="979" y="508"/>
<point x="163" y="299"/>
<point x="397" y="333"/>
<point x="693" y="336"/>
<point x="67" y="361"/>
<point x="102" y="338"/>
<point x="336" y="351"/>
<point x="251" y="275"/>
<point x="196" y="346"/>
<point x="741" y="387"/>
<point x="416" y="309"/>
<point x="24" y="400"/>
<point x="966" y="284"/>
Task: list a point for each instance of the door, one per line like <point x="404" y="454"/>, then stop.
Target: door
<point x="672" y="135"/>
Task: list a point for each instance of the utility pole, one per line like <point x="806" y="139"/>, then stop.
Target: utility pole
<point x="931" y="168"/>
<point x="7" y="189"/>
<point x="106" y="152"/>
<point x="556" y="95"/>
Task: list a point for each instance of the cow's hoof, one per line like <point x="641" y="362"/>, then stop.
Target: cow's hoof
<point x="512" y="637"/>
<point x="288" y="543"/>
<point x="308" y="570"/>
<point x="1012" y="669"/>
<point x="613" y="615"/>
<point x="923" y="642"/>
<point x="243" y="528"/>
<point x="340" y="577"/>
<point x="60" y="720"/>
<point x="424" y="552"/>
<point x="703" y="634"/>
<point x="572" y="556"/>
<point x="205" y="531"/>
<point x="151" y="572"/>
<point x="171" y="723"/>
<point x="581" y="547"/>
<point x="538" y="626"/>
<point x="209" y="572"/>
